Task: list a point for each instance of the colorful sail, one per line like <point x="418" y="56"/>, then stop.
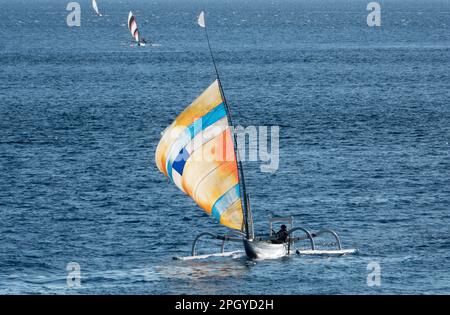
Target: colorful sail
<point x="94" y="5"/>
<point x="132" y="26"/>
<point x="197" y="153"/>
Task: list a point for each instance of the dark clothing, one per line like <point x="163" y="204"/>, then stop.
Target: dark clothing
<point x="281" y="237"/>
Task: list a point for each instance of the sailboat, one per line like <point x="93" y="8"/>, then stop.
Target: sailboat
<point x="134" y="30"/>
<point x="95" y="7"/>
<point x="198" y="153"/>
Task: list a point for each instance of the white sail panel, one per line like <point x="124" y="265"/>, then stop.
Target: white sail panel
<point x="201" y="19"/>
<point x="94" y="5"/>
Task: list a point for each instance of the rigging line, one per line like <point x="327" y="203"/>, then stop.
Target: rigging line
<point x="244" y="200"/>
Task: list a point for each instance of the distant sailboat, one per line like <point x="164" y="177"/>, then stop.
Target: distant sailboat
<point x="134" y="30"/>
<point x="94" y="5"/>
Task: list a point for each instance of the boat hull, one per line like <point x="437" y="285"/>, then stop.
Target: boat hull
<point x="264" y="250"/>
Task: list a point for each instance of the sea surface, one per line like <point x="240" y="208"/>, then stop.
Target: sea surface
<point x="364" y="117"/>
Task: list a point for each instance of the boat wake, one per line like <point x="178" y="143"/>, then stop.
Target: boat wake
<point x="145" y="45"/>
<point x="234" y="254"/>
<point x="240" y="254"/>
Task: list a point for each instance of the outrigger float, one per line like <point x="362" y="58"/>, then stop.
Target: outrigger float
<point x="198" y="152"/>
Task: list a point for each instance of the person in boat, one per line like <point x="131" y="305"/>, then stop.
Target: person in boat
<point x="281" y="236"/>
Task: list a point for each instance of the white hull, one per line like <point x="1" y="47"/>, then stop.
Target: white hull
<point x="264" y="250"/>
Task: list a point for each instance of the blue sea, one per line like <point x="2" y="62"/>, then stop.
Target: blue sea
<point x="364" y="118"/>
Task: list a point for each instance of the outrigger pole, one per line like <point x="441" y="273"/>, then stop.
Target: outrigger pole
<point x="245" y="202"/>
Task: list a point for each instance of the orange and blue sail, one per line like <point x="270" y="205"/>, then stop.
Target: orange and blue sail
<point x="197" y="153"/>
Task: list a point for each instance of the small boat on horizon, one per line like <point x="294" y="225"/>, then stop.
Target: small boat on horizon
<point x="134" y="30"/>
<point x="95" y="7"/>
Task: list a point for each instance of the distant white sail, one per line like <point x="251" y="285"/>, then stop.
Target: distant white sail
<point x="201" y="19"/>
<point x="94" y="5"/>
<point x="132" y="26"/>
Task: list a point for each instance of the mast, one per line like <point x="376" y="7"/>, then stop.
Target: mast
<point x="245" y="202"/>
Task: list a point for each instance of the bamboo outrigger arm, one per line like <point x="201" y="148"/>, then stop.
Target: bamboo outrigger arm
<point x="308" y="236"/>
<point x="224" y="238"/>
<point x="336" y="237"/>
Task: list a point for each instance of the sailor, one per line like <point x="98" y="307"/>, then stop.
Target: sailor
<point x="281" y="236"/>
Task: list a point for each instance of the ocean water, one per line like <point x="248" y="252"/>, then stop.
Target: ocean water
<point x="364" y="118"/>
